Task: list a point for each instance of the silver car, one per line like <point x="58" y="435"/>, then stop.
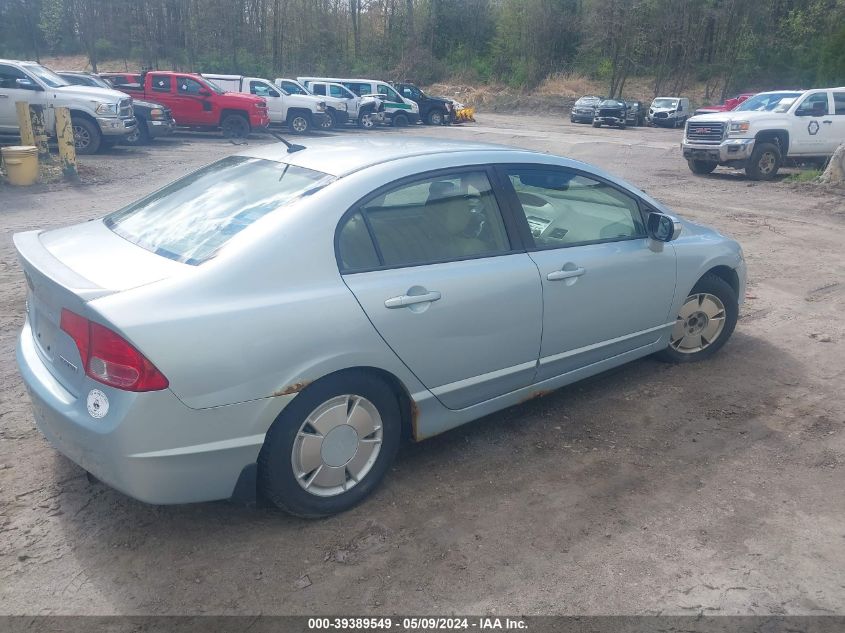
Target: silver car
<point x="279" y="319"/>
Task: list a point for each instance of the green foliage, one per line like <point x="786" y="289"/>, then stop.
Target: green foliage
<point x="732" y="45"/>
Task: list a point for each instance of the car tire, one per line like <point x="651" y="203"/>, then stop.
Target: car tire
<point x="764" y="162"/>
<point x="303" y="474"/>
<point x="701" y="167"/>
<point x="622" y="126"/>
<point x="299" y="123"/>
<point x="435" y="117"/>
<point x="596" y="124"/>
<point x="330" y="124"/>
<point x="366" y="120"/>
<point x="235" y="126"/>
<point x="709" y="313"/>
<point x="140" y="135"/>
<point x="87" y="137"/>
<point x="400" y="120"/>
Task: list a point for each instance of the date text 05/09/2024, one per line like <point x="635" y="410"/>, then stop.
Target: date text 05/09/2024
<point x="482" y="623"/>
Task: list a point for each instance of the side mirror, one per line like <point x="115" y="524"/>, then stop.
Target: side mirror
<point x="26" y="84"/>
<point x="662" y="227"/>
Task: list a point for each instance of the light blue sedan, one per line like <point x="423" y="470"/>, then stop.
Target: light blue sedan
<point x="279" y="319"/>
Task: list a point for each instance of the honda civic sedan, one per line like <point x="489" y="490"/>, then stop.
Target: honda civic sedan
<point x="276" y="321"/>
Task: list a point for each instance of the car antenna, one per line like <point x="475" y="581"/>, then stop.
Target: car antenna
<point x="292" y="147"/>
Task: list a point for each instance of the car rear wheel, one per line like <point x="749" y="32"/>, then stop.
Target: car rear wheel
<point x="704" y="323"/>
<point x="331" y="446"/>
<point x="701" y="167"/>
<point x="235" y="126"/>
<point x="764" y="162"/>
<point x="86" y="136"/>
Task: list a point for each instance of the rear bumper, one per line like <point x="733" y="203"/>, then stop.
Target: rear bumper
<point x="149" y="446"/>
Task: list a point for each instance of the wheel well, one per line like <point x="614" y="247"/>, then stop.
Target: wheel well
<point x="727" y="274"/>
<point x="779" y="137"/>
<point x="240" y="113"/>
<point x="407" y="407"/>
<point x="294" y="111"/>
<point x="79" y="114"/>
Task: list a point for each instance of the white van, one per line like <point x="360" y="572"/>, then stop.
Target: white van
<point x="300" y="113"/>
<point x="669" y="111"/>
<point x="397" y="109"/>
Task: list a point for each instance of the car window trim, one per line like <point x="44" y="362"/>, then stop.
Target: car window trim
<point x="519" y="213"/>
<point x="516" y="242"/>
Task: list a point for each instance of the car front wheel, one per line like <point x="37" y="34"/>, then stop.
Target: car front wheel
<point x="331" y="446"/>
<point x="704" y="323"/>
<point x="86" y="136"/>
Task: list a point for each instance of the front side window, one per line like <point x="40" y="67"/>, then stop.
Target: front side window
<point x="809" y="105"/>
<point x="563" y="208"/>
<point x="839" y="103"/>
<point x="435" y="219"/>
<point x="339" y="92"/>
<point x="191" y="219"/>
<point x="261" y="89"/>
<point x="390" y="93"/>
<point x="188" y="86"/>
<point x="319" y="89"/>
<point x="161" y="83"/>
<point x="292" y="88"/>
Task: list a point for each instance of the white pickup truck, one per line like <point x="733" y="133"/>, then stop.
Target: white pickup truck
<point x="99" y="116"/>
<point x="299" y="112"/>
<point x="364" y="111"/>
<point x="760" y="133"/>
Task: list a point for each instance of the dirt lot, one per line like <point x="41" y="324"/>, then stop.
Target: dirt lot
<point x="714" y="488"/>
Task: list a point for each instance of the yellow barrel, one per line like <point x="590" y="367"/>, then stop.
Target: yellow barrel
<point x="21" y="164"/>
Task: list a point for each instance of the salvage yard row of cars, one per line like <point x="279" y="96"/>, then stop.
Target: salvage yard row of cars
<point x="757" y="133"/>
<point x="135" y="108"/>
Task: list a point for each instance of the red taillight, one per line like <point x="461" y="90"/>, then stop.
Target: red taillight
<point x="109" y="358"/>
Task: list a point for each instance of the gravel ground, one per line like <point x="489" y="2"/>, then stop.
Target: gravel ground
<point x="714" y="488"/>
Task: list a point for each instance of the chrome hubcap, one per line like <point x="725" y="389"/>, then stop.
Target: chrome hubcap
<point x="337" y="445"/>
<point x="767" y="162"/>
<point x="299" y="124"/>
<point x="367" y="120"/>
<point x="699" y="323"/>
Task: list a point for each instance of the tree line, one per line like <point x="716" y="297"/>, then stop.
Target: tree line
<point x="729" y="45"/>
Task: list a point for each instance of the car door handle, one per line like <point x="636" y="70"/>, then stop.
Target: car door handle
<point x="828" y="122"/>
<point x="408" y="300"/>
<point x="565" y="274"/>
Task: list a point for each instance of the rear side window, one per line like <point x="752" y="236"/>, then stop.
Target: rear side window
<point x="192" y="218"/>
<point x="161" y="83"/>
<point x="438" y="219"/>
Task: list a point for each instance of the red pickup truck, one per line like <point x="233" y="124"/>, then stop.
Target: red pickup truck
<point x="196" y="102"/>
<point x="728" y="105"/>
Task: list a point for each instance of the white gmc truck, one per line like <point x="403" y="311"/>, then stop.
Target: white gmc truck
<point x="100" y="117"/>
<point x="765" y="130"/>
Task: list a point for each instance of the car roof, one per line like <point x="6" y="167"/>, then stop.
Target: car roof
<point x="341" y="157"/>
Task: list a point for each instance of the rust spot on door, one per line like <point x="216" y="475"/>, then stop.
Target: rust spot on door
<point x="536" y="394"/>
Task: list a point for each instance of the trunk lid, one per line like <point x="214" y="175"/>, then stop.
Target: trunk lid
<point x="66" y="269"/>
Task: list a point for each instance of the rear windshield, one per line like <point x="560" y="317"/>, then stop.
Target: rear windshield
<point x="193" y="218"/>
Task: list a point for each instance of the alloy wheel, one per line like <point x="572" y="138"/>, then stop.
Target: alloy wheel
<point x="81" y="138"/>
<point x="767" y="162"/>
<point x="299" y="125"/>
